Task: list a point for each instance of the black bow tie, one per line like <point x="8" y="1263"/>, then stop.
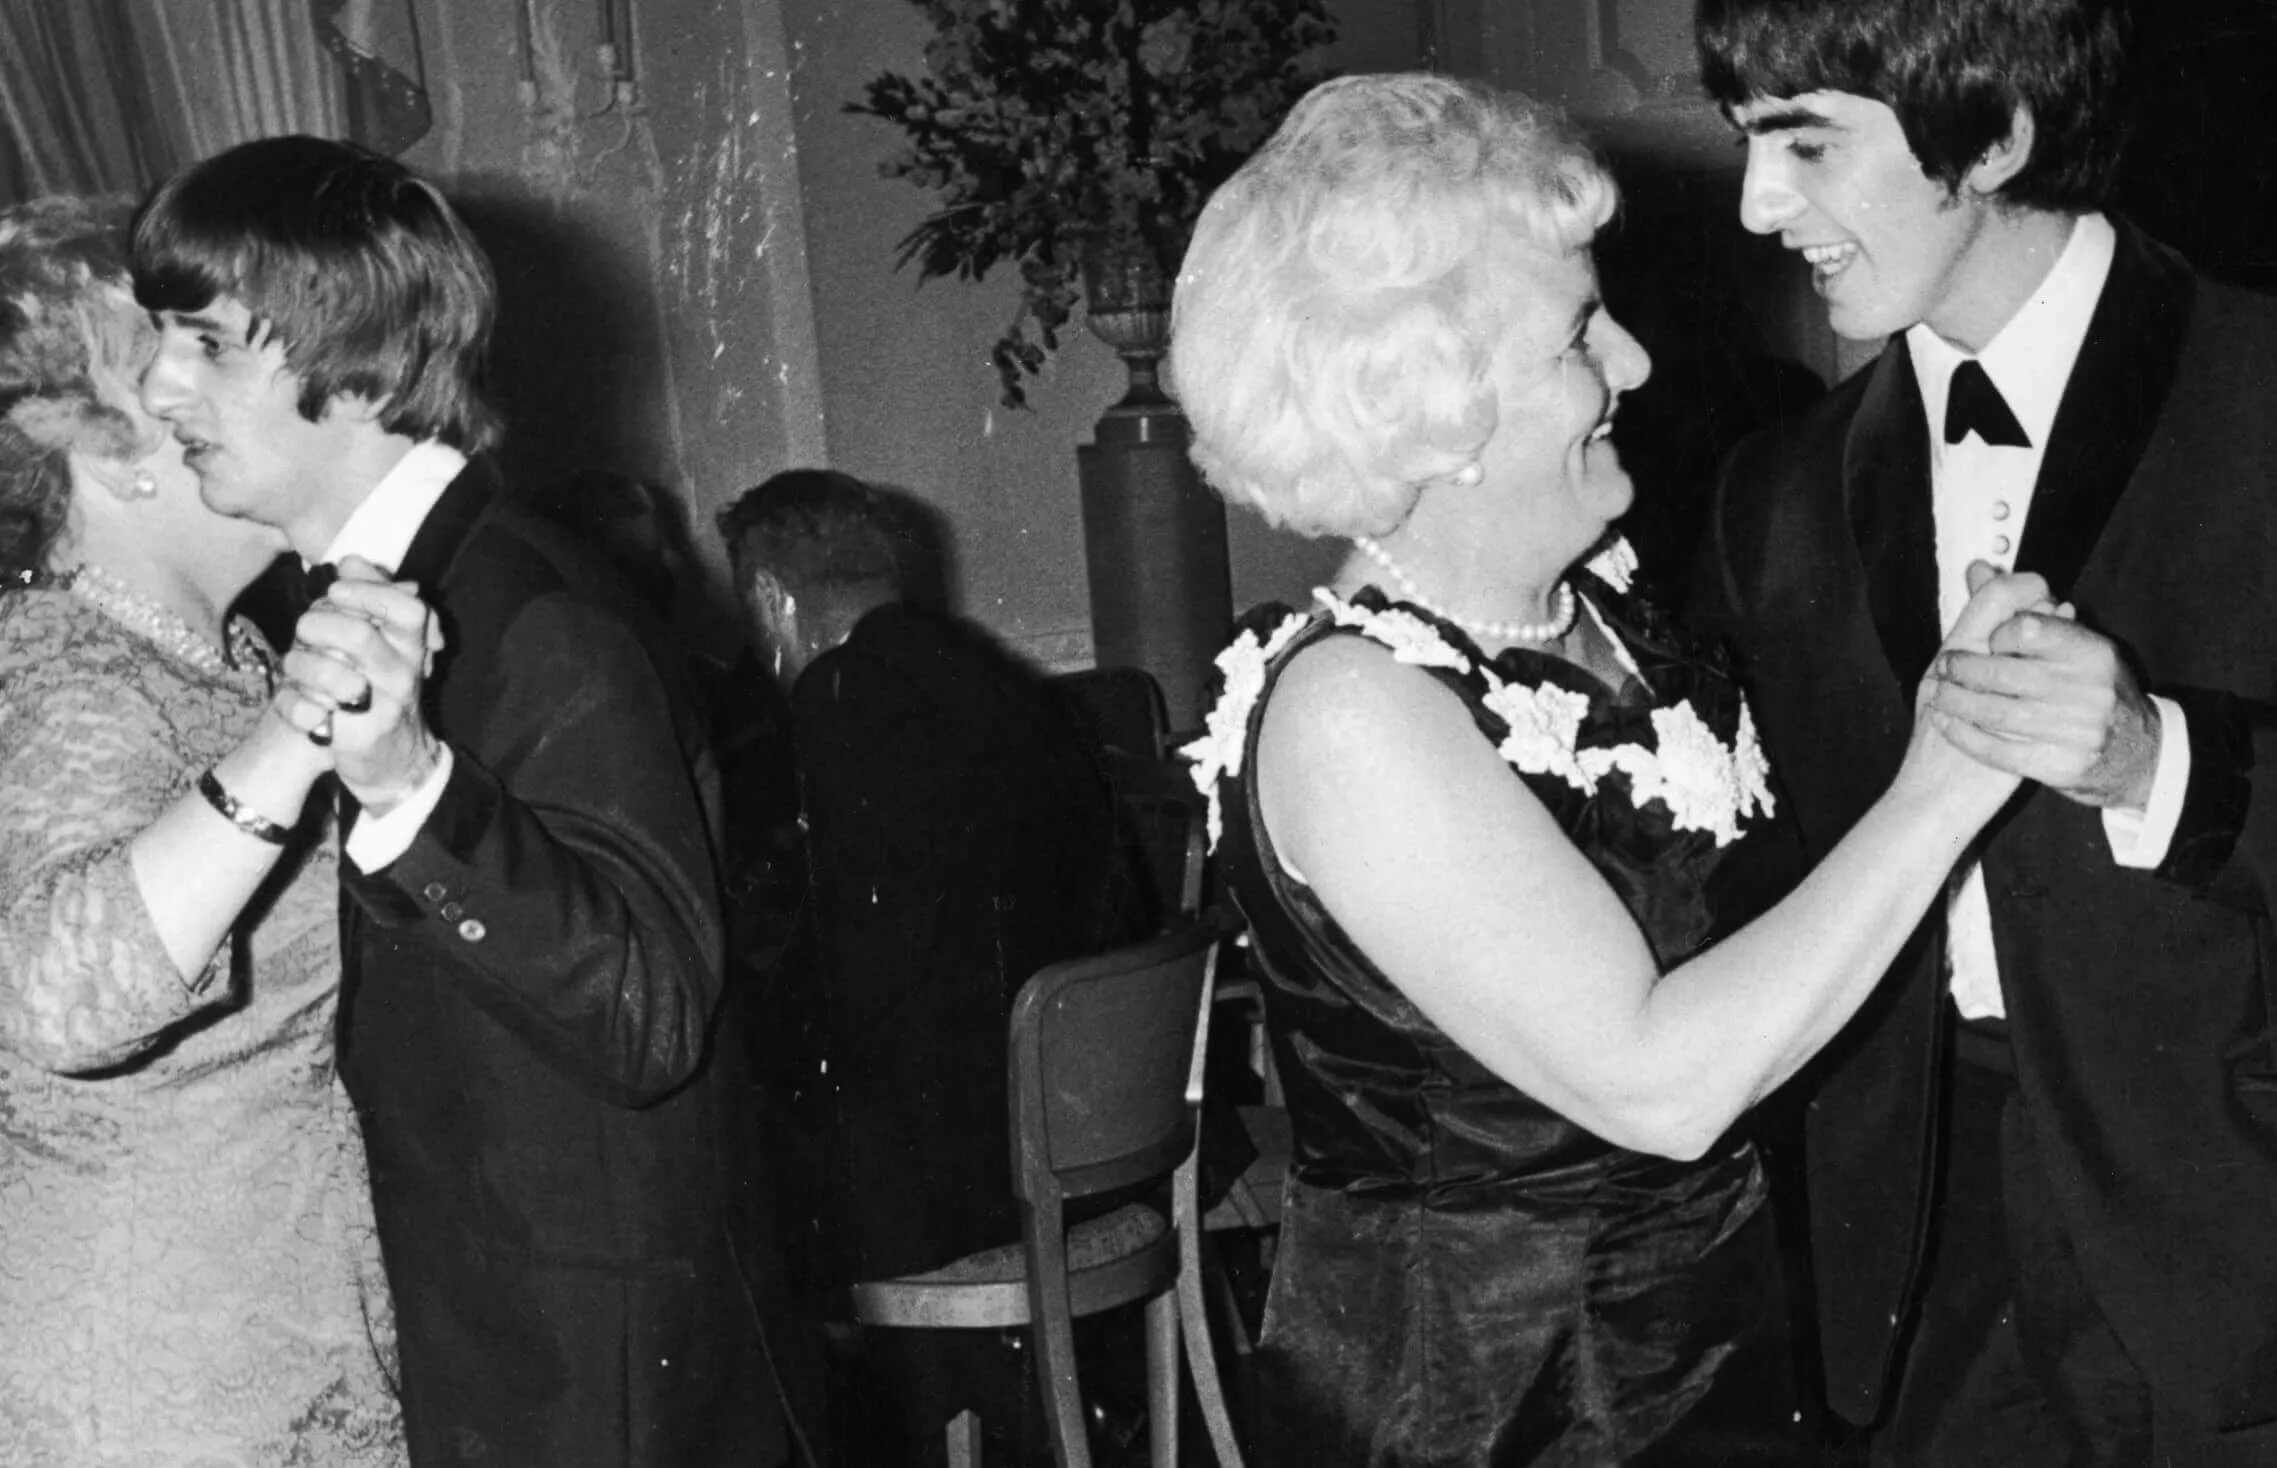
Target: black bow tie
<point x="301" y="587"/>
<point x="1972" y="402"/>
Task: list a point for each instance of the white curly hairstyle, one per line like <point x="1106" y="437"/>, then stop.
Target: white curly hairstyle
<point x="1341" y="300"/>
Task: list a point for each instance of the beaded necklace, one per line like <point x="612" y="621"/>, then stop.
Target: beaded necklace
<point x="160" y="627"/>
<point x="1562" y="605"/>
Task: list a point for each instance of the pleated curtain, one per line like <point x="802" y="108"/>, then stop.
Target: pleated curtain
<point x="108" y="96"/>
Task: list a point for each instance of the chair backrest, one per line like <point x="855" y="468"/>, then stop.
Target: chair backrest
<point x="1100" y="1053"/>
<point x="1121" y="708"/>
<point x="1166" y="820"/>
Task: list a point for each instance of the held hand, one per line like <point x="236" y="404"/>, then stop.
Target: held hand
<point x="359" y="662"/>
<point x="1997" y="598"/>
<point x="2049" y="700"/>
<point x="1949" y="766"/>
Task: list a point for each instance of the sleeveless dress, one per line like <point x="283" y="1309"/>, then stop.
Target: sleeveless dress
<point x="1464" y="1277"/>
<point x="189" y="1276"/>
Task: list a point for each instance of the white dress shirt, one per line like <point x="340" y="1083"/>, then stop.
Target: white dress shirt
<point x="381" y="531"/>
<point x="1981" y="497"/>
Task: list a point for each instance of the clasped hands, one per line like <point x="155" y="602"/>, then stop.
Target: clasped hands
<point x="360" y="657"/>
<point x="2042" y="697"/>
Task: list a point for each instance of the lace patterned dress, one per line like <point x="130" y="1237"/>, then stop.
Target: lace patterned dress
<point x="188" y="1271"/>
<point x="1464" y="1276"/>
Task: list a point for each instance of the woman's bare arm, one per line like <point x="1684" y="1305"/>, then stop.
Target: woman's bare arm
<point x="1458" y="883"/>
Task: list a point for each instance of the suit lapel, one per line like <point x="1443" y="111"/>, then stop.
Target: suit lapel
<point x="425" y="560"/>
<point x="447" y="526"/>
<point x="432" y="550"/>
<point x="2117" y="390"/>
<point x="1885" y="482"/>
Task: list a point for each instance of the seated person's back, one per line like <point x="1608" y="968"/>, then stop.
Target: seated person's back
<point x="960" y="835"/>
<point x="961" y="838"/>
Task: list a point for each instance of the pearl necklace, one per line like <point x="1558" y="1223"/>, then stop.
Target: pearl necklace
<point x="1563" y="605"/>
<point x="158" y="626"/>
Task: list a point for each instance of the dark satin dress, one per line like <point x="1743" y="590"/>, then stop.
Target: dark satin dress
<point x="1465" y="1277"/>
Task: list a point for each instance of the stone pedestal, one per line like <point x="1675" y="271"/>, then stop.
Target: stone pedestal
<point x="1154" y="542"/>
<point x="1153" y="534"/>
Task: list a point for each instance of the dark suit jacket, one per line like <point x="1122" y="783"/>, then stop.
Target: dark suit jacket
<point x="2138" y="1002"/>
<point x="524" y="1019"/>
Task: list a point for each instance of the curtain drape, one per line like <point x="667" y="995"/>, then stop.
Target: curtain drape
<point x="108" y="96"/>
<point x="226" y="71"/>
<point x="78" y="113"/>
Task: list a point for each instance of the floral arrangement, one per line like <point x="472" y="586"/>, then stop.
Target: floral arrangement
<point x="1704" y="784"/>
<point x="1055" y="127"/>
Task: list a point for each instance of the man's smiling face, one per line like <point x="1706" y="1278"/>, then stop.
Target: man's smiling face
<point x="1831" y="174"/>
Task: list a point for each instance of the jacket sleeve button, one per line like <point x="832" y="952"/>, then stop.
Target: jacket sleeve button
<point x="473" y="931"/>
<point x="453" y="911"/>
<point x="436" y="892"/>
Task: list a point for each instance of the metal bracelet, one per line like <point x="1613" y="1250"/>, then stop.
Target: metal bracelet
<point x="239" y="814"/>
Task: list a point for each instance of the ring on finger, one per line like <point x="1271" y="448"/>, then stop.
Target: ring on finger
<point x="321" y="735"/>
<point x="360" y="704"/>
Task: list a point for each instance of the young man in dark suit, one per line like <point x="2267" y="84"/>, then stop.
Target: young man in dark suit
<point x="2043" y="1162"/>
<point x="531" y="933"/>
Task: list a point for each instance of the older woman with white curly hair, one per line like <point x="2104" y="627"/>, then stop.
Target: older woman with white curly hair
<point x="1477" y="806"/>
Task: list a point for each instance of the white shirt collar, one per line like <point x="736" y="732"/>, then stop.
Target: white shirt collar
<point x="382" y="527"/>
<point x="2031" y="358"/>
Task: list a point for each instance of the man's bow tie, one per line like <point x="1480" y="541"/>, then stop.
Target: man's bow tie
<point x="307" y="588"/>
<point x="1972" y="402"/>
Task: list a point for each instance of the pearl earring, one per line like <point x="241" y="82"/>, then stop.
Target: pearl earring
<point x="1470" y="476"/>
<point x="145" y="484"/>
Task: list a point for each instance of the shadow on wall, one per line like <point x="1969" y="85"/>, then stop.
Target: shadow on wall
<point x="645" y="532"/>
<point x="575" y="365"/>
<point x="577" y="370"/>
<point x="929" y="564"/>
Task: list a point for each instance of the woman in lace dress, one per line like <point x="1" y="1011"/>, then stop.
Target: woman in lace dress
<point x="1477" y="819"/>
<point x="188" y="1273"/>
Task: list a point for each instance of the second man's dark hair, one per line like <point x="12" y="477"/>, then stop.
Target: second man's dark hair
<point x="818" y="528"/>
<point x="356" y="265"/>
<point x="1954" y="72"/>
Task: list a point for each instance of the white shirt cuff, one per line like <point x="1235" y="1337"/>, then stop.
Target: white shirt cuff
<point x="377" y="840"/>
<point x="2139" y="839"/>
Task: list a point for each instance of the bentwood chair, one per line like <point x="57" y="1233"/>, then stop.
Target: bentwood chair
<point x="1105" y="1069"/>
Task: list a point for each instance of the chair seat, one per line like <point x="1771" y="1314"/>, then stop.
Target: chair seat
<point x="1105" y="1068"/>
<point x="1122" y="1256"/>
